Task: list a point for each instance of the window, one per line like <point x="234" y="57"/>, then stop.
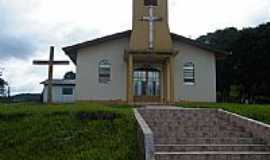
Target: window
<point x="67" y="91"/>
<point x="150" y="2"/>
<point x="104" y="74"/>
<point x="189" y="73"/>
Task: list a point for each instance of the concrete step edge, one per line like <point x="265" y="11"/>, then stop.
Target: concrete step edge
<point x="212" y="153"/>
<point x="211" y="145"/>
<point x="217" y="138"/>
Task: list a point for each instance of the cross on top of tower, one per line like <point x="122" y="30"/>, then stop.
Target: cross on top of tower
<point x="150" y="28"/>
<point x="151" y="19"/>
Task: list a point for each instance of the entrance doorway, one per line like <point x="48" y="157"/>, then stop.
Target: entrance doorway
<point x="147" y="85"/>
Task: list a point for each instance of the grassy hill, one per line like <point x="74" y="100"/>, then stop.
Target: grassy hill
<point x="69" y="132"/>
<point x="82" y="131"/>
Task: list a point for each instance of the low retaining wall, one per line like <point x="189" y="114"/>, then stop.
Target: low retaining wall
<point x="145" y="138"/>
<point x="258" y="129"/>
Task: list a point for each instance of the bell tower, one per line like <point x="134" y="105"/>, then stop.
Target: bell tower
<point x="150" y="29"/>
<point x="150" y="47"/>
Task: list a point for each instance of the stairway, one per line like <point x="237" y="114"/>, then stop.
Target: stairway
<point x="201" y="134"/>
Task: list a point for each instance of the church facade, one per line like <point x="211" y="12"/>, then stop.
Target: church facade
<point x="145" y="65"/>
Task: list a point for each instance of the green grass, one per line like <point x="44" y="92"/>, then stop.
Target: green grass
<point x="257" y="112"/>
<point x="58" y="132"/>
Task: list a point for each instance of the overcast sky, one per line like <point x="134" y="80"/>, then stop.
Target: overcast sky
<point x="29" y="27"/>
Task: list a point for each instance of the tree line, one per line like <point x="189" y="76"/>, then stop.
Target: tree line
<point x="243" y="76"/>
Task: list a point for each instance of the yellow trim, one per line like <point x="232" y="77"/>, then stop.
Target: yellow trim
<point x="130" y="79"/>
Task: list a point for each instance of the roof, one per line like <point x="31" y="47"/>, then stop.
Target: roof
<point x="60" y="82"/>
<point x="71" y="51"/>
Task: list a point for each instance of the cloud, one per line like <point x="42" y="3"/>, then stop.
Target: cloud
<point x="29" y="27"/>
<point x="195" y="18"/>
<point x="259" y="14"/>
<point x="24" y="77"/>
<point x="14" y="43"/>
<point x="20" y="47"/>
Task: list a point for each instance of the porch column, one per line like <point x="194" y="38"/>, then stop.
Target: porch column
<point x="130" y="79"/>
<point x="172" y="63"/>
<point x="168" y="81"/>
<point x="164" y="82"/>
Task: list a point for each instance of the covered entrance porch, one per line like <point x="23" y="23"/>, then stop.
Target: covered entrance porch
<point x="150" y="77"/>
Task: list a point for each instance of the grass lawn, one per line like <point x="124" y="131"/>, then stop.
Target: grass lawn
<point x="67" y="132"/>
<point x="257" y="112"/>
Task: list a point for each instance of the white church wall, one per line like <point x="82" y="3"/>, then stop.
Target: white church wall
<point x="57" y="94"/>
<point x="89" y="88"/>
<point x="87" y="82"/>
<point x="204" y="88"/>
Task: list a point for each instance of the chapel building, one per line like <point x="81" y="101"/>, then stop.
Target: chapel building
<point x="147" y="64"/>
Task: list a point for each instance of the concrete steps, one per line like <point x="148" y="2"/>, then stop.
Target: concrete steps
<point x="197" y="133"/>
<point x="201" y="134"/>
<point x="212" y="155"/>
<point x="195" y="140"/>
<point x="210" y="147"/>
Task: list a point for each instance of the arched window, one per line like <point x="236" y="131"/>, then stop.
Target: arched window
<point x="104" y="75"/>
<point x="150" y="2"/>
<point x="189" y="73"/>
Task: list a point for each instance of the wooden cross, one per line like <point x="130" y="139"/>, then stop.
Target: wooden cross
<point x="51" y="62"/>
